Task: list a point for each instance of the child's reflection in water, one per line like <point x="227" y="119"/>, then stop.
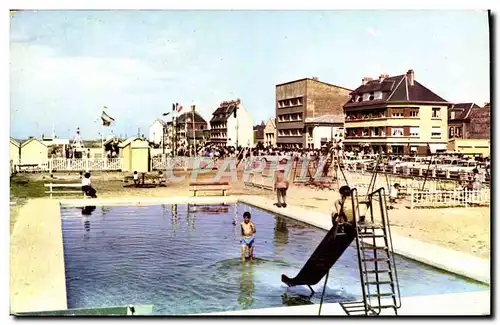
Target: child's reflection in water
<point x="247" y="285"/>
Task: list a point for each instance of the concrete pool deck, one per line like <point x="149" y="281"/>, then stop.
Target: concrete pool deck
<point x="37" y="272"/>
<point x="458" y="304"/>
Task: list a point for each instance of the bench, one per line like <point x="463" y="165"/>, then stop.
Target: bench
<point x="53" y="186"/>
<point x="208" y="186"/>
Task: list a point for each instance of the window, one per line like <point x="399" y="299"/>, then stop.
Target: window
<point x="359" y="99"/>
<point x="452" y="132"/>
<point x="376" y="132"/>
<point x="436" y="132"/>
<point x="397" y="132"/>
<point x="414" y="131"/>
<point x="414" y="113"/>
<point x="372" y="96"/>
<point x="365" y="132"/>
<point x="201" y="127"/>
<point x="458" y="132"/>
<point x="436" y="112"/>
<point x="397" y="114"/>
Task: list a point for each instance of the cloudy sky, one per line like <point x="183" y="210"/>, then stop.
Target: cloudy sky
<point x="66" y="65"/>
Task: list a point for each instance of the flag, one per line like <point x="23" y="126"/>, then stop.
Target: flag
<point x="106" y="119"/>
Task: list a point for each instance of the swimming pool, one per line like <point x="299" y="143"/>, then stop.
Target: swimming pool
<point x="185" y="259"/>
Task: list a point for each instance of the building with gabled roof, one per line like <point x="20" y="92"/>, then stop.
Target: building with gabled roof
<point x="396" y="115"/>
<point x="156" y="131"/>
<point x="469" y="121"/>
<point x="15" y="151"/>
<point x="270" y="133"/>
<point x="232" y="125"/>
<point x="258" y="133"/>
<point x="33" y="152"/>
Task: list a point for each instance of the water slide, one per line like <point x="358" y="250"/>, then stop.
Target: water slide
<point x="326" y="254"/>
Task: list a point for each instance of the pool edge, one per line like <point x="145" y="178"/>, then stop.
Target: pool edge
<point x="37" y="270"/>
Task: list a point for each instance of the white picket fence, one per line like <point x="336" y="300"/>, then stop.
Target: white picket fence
<point x="455" y="198"/>
<point x="181" y="163"/>
<point x="61" y="164"/>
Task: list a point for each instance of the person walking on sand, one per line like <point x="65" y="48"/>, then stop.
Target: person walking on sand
<point x="247" y="236"/>
<point x="281" y="186"/>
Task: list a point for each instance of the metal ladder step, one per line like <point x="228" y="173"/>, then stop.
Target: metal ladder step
<point x="365" y="225"/>
<point x="370" y="235"/>
<point x="374" y="247"/>
<point x="377" y="271"/>
<point x="381" y="295"/>
<point x="379" y="282"/>
<point x="376" y="259"/>
<point x="384" y="306"/>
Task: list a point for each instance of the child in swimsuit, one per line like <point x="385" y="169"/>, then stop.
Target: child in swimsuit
<point x="247" y="236"/>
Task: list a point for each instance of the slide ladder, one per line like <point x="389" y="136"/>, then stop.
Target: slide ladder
<point x="377" y="268"/>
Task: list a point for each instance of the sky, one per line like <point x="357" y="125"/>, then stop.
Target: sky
<point x="66" y="65"/>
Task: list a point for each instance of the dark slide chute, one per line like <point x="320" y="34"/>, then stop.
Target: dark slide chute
<point x="326" y="254"/>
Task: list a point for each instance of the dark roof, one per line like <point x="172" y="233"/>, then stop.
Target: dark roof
<point x="462" y="110"/>
<point x="311" y="79"/>
<point x="224" y="110"/>
<point x="260" y="130"/>
<point x="396" y="89"/>
<point x="197" y="118"/>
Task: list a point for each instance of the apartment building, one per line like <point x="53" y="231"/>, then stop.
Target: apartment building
<point x="300" y="103"/>
<point x="396" y="115"/>
<point x="232" y="125"/>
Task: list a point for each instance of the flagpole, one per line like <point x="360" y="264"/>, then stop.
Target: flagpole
<point x="186" y="132"/>
<point x="194" y="133"/>
<point x="102" y="139"/>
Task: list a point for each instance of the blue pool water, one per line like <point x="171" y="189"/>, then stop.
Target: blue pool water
<point x="186" y="259"/>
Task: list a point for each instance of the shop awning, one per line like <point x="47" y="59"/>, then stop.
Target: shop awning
<point x="434" y="147"/>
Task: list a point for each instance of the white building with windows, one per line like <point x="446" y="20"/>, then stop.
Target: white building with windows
<point x="323" y="129"/>
<point x="156" y="131"/>
<point x="232" y="125"/>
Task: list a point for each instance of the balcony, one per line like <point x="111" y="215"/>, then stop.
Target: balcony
<point x="364" y="117"/>
<point x="366" y="137"/>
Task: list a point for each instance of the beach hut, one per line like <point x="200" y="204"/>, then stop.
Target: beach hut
<point x="15" y="153"/>
<point x="33" y="151"/>
<point x="135" y="154"/>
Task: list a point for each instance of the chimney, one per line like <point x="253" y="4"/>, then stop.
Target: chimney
<point x="410" y="75"/>
<point x="366" y="79"/>
<point x="381" y="77"/>
<point x="315" y="78"/>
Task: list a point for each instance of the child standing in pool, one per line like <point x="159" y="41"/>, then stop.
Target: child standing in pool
<point x="247" y="236"/>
